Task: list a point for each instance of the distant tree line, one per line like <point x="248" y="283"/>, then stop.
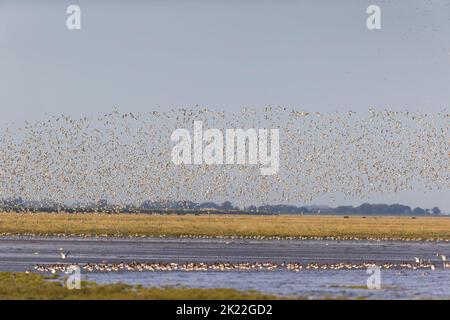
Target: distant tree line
<point x="180" y="207"/>
<point x="385" y="209"/>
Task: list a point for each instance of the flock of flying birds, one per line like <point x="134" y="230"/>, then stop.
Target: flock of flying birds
<point x="125" y="158"/>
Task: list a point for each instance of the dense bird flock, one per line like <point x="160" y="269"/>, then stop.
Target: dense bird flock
<point x="125" y="158"/>
<point x="229" y="266"/>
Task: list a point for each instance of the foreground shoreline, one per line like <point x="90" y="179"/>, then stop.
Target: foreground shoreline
<point x="285" y="227"/>
<point x="22" y="286"/>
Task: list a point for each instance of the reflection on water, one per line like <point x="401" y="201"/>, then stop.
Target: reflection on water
<point x="395" y="284"/>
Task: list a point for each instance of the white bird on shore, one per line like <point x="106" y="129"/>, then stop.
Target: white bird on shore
<point x="443" y="258"/>
<point x="432" y="266"/>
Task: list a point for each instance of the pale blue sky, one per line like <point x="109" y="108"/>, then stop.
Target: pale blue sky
<point x="145" y="55"/>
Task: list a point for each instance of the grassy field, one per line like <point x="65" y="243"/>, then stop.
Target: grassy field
<point x="225" y="225"/>
<point x="21" y="286"/>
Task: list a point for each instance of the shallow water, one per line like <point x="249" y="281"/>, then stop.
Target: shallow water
<point x="409" y="284"/>
<point x="23" y="253"/>
<point x="19" y="253"/>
